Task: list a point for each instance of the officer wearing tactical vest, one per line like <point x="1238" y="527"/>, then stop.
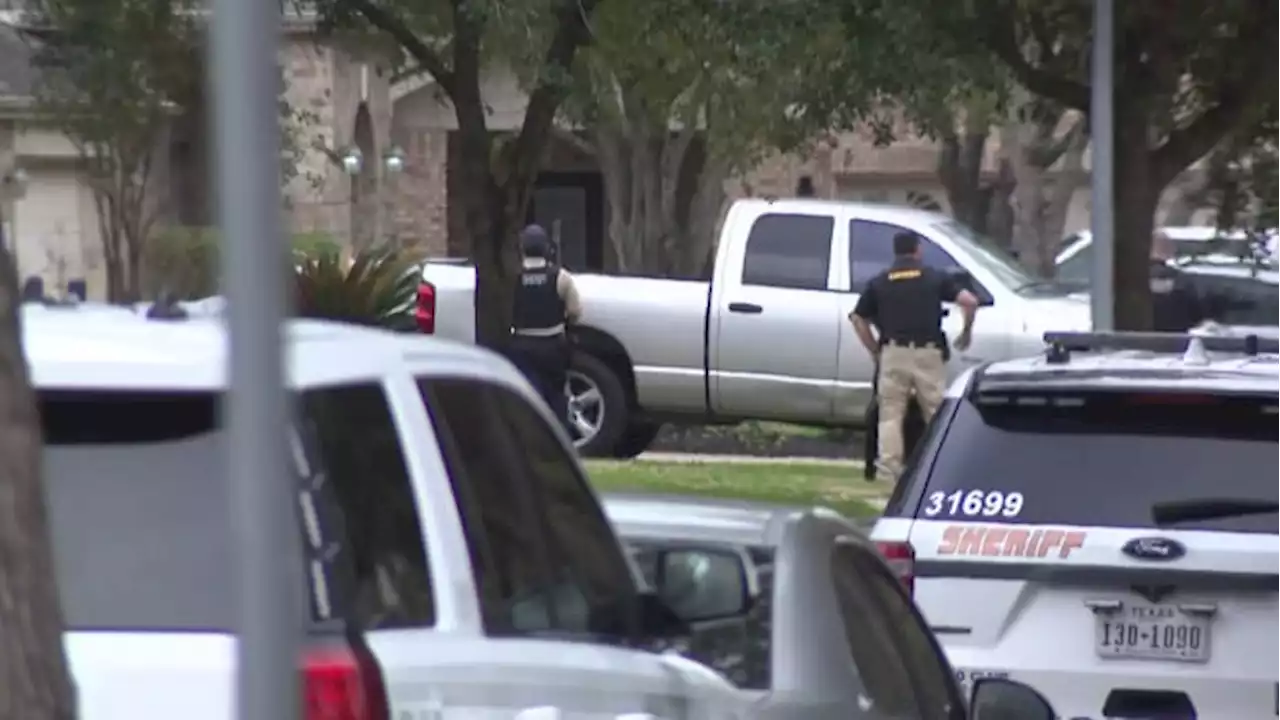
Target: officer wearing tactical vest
<point x="904" y="305"/>
<point x="546" y="299"/>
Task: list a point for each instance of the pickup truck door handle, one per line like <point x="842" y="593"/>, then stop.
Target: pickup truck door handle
<point x="748" y="308"/>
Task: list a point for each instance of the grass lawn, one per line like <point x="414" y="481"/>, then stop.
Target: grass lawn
<point x="839" y="487"/>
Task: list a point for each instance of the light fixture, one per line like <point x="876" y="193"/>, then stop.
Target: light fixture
<point x="393" y="159"/>
<point x="15" y="183"/>
<point x="352" y="161"/>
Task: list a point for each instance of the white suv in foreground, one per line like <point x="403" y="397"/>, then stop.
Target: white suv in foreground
<point x="1100" y="523"/>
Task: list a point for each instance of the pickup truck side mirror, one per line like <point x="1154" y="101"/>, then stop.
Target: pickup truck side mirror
<point x="704" y="583"/>
<point x="1004" y="699"/>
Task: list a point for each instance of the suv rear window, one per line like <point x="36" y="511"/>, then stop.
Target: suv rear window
<point x="140" y="515"/>
<point x="1102" y="459"/>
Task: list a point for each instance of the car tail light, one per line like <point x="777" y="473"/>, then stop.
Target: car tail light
<point x="901" y="558"/>
<point x="342" y="684"/>
<point x="424" y="311"/>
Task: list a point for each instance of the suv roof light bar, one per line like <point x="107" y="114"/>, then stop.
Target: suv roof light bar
<point x="1169" y="343"/>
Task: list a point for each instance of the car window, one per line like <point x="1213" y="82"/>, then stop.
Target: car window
<point x="1237" y="300"/>
<point x="584" y="553"/>
<point x="871" y="251"/>
<point x="544" y="557"/>
<point x="935" y="688"/>
<point x="789" y="251"/>
<point x="139" y="511"/>
<point x="359" y="446"/>
<point x="740" y="649"/>
<point x="1102" y="459"/>
<point x="873" y="649"/>
<point x="1078" y="268"/>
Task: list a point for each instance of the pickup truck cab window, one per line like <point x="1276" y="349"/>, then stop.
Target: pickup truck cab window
<point x="358" y="445"/>
<point x="871" y="251"/>
<point x="788" y="251"/>
<point x="544" y="557"/>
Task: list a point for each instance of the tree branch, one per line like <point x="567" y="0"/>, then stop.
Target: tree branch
<point x="1229" y="112"/>
<point x="998" y="33"/>
<point x="427" y="58"/>
<point x="572" y="32"/>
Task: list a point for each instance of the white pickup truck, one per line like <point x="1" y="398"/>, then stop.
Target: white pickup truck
<point x="456" y="565"/>
<point x="767" y="337"/>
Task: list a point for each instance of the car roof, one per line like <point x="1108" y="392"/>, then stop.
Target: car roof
<point x="717" y="520"/>
<point x="105" y="347"/>
<point x="820" y="205"/>
<point x="1134" y="370"/>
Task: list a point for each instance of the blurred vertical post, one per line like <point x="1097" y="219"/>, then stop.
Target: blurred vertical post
<point x="246" y="120"/>
<point x="1102" y="171"/>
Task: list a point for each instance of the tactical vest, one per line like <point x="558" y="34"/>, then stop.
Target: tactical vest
<point x="538" y="302"/>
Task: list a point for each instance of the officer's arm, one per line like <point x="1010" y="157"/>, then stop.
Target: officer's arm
<point x="568" y="292"/>
<point x="861" y="319"/>
<point x="968" y="303"/>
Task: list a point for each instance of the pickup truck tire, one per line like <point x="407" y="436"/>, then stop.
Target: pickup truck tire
<point x="636" y="438"/>
<point x="612" y="404"/>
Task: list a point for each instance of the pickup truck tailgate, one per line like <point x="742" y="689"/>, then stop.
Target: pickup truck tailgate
<point x="140" y="675"/>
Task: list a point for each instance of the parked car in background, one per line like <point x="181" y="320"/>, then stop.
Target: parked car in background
<point x="1235" y="285"/>
<point x="1075" y="252"/>
<point x="768" y="336"/>
<point x="830" y="632"/>
<point x="452" y="561"/>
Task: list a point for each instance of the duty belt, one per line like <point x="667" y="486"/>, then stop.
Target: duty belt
<point x="915" y="344"/>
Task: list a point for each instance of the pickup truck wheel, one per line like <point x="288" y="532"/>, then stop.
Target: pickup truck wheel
<point x="636" y="438"/>
<point x="597" y="406"/>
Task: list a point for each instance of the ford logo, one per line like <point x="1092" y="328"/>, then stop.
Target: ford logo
<point x="1154" y="548"/>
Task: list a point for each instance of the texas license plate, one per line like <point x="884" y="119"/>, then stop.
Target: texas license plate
<point x="1145" y="631"/>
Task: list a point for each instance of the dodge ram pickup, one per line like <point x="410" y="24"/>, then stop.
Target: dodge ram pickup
<point x="768" y="336"/>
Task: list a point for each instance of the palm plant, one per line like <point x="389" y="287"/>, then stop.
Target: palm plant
<point x="376" y="287"/>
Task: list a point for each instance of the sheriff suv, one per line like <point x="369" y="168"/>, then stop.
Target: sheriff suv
<point x="1100" y="523"/>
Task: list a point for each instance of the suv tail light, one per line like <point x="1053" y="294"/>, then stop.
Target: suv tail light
<point x="424" y="311"/>
<point x="901" y="559"/>
<point x="340" y="683"/>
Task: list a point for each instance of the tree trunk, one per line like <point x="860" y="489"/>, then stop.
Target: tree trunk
<point x="661" y="187"/>
<point x="1041" y="201"/>
<point x="35" y="683"/>
<point x="960" y="171"/>
<point x="1136" y="196"/>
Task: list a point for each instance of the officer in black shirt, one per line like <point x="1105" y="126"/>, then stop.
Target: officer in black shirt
<point x="1175" y="304"/>
<point x="904" y="303"/>
<point x="546" y="299"/>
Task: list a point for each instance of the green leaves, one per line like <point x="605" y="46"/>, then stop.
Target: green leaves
<point x="376" y="288"/>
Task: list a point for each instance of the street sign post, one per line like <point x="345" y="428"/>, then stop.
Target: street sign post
<point x="246" y="121"/>
<point x="1102" y="168"/>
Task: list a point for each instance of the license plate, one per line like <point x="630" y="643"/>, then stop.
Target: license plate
<point x="1144" y="631"/>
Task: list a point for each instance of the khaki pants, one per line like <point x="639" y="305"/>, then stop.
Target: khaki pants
<point x="904" y="370"/>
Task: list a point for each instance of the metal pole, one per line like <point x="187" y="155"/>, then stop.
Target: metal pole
<point x="1102" y="121"/>
<point x="246" y="115"/>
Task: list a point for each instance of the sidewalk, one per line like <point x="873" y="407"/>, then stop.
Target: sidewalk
<point x="671" y="457"/>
